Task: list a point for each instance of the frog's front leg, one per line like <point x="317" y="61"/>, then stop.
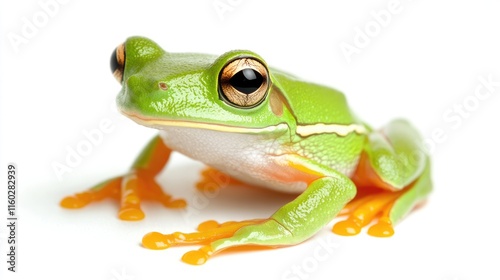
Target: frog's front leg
<point x="327" y="193"/>
<point x="393" y="163"/>
<point x="131" y="188"/>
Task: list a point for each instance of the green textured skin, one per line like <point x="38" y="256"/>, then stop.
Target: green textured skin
<point x="327" y="105"/>
<point x="192" y="95"/>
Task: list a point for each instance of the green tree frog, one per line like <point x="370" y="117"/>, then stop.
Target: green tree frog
<point x="262" y="127"/>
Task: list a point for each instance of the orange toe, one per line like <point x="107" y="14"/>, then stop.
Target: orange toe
<point x="156" y="241"/>
<point x="347" y="228"/>
<point x="131" y="214"/>
<point x="76" y="201"/>
<point x="197" y="257"/>
<point x="383" y="228"/>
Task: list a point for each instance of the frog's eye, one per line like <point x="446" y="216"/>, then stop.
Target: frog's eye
<point x="117" y="62"/>
<point x="244" y="82"/>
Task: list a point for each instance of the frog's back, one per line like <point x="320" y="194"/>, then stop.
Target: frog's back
<point x="314" y="103"/>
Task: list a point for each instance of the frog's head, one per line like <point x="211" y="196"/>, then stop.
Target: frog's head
<point x="233" y="92"/>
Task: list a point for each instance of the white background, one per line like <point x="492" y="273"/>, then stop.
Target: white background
<point x="427" y="59"/>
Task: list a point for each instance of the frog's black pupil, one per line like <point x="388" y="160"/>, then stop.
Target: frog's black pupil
<point x="246" y="81"/>
<point x="114" y="62"/>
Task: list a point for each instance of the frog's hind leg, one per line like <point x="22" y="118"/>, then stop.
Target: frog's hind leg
<point x="362" y="213"/>
<point x="389" y="207"/>
<point x="393" y="164"/>
<point x="399" y="208"/>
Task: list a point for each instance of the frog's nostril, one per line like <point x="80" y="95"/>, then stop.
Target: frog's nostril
<point x="117" y="62"/>
<point x="163" y="85"/>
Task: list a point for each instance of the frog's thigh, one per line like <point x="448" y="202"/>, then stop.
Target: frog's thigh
<point x="391" y="161"/>
<point x="389" y="206"/>
<point x="391" y="158"/>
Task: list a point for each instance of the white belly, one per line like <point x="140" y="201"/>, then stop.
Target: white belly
<point x="246" y="157"/>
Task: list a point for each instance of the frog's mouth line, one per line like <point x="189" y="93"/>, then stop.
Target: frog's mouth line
<point x="159" y="124"/>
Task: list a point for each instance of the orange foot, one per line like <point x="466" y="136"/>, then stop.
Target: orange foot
<point x="363" y="211"/>
<point x="208" y="231"/>
<point x="130" y="189"/>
